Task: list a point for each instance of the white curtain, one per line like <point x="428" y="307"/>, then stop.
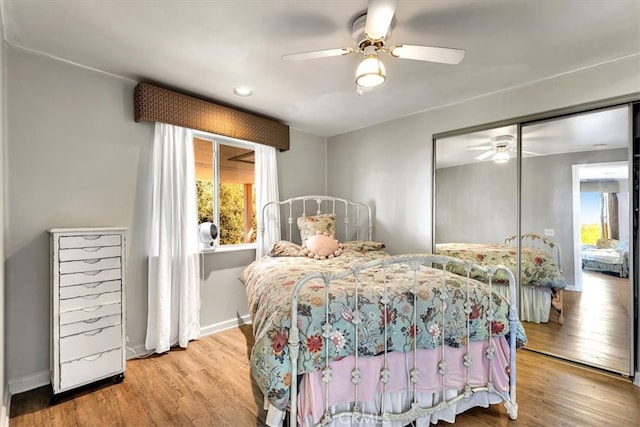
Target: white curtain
<point x="174" y="279"/>
<point x="266" y="191"/>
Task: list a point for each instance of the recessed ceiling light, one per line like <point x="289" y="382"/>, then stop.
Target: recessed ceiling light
<point x="243" y="91"/>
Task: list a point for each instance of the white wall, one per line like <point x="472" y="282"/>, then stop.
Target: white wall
<point x="390" y="164"/>
<point x="77" y="158"/>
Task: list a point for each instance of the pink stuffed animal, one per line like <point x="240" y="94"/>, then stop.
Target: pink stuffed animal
<point x="322" y="246"/>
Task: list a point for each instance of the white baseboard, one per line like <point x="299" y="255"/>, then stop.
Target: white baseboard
<point x="5" y="412"/>
<point x="20" y="385"/>
<point x="223" y="326"/>
<point x="636" y="379"/>
<point x="141" y="351"/>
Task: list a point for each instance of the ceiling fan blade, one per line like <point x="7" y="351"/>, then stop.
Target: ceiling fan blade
<point x="480" y="147"/>
<point x="317" y="54"/>
<point x="485" y="155"/>
<point x="379" y="16"/>
<point x="445" y="55"/>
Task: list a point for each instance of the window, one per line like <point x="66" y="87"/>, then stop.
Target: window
<point x="225" y="176"/>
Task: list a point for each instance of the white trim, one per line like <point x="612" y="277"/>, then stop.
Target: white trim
<point x="5" y="411"/>
<point x="577" y="252"/>
<point x="636" y="379"/>
<point x="223" y="326"/>
<point x="29" y="382"/>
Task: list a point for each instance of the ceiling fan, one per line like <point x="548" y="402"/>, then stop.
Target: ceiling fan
<point x="370" y="32"/>
<point x="500" y="150"/>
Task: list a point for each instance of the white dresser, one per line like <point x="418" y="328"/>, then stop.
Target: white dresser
<point x="88" y="338"/>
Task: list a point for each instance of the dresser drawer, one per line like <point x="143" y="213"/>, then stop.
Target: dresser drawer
<point x="90" y="277"/>
<point x="91" y="252"/>
<point x="91" y="368"/>
<point x="90" y="324"/>
<point x="89" y="313"/>
<point x="90" y="240"/>
<point x="89" y="265"/>
<point x="90" y="289"/>
<point x="90" y="342"/>
<point x="89" y="301"/>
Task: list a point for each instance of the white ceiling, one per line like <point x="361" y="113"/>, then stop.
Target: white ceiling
<point x="207" y="48"/>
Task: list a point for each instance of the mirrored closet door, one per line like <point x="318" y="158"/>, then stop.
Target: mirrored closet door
<point x="551" y="199"/>
<point x="575" y="193"/>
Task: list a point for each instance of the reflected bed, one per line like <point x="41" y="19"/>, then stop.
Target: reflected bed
<point x="542" y="281"/>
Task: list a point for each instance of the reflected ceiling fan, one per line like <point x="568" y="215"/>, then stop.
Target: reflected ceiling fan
<point x="370" y="32"/>
<point x="502" y="148"/>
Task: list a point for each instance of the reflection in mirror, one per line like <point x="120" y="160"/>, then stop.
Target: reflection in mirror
<point x="575" y="193"/>
<point x="475" y="198"/>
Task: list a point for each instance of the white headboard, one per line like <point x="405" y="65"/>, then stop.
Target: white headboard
<point x="353" y="219"/>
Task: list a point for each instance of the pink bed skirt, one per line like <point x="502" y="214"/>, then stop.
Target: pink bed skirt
<point x="311" y="397"/>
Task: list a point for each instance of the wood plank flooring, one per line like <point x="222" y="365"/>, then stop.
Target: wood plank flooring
<point x="209" y="385"/>
<point x="596" y="324"/>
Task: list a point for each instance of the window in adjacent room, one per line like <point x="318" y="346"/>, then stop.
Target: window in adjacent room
<point x="225" y="177"/>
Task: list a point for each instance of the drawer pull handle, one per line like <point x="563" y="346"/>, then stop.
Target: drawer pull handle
<point x="92" y="333"/>
<point x="96" y="237"/>
<point x="93" y="285"/>
<point x="91" y="296"/>
<point x="92" y="358"/>
<point x="94" y="249"/>
<point x="91" y="261"/>
<point x="91" y="273"/>
<point x="93" y="320"/>
<point x="90" y="309"/>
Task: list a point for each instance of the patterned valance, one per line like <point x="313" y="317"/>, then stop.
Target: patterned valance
<point x="156" y="104"/>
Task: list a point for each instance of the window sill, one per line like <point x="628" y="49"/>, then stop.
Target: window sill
<point x="229" y="248"/>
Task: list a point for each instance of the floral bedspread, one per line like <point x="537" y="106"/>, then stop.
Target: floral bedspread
<point x="269" y="283"/>
<point x="538" y="268"/>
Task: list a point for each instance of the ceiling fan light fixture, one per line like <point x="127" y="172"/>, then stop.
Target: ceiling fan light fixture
<point x="370" y="72"/>
<point x="501" y="157"/>
<point x="243" y="91"/>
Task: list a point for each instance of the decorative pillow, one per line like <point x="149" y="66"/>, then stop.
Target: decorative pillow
<point x="607" y="243"/>
<point x="363" y="245"/>
<point x="311" y="225"/>
<point x="322" y="246"/>
<point x="286" y="248"/>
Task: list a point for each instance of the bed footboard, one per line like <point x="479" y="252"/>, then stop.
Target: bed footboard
<point x="444" y="297"/>
<point x="537" y="241"/>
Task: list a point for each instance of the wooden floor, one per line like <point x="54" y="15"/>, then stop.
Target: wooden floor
<point x="209" y="385"/>
<point x="596" y="324"/>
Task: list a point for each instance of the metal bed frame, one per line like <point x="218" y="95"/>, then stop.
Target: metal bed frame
<point x="552" y="249"/>
<point x="414" y="262"/>
<point x="356" y="216"/>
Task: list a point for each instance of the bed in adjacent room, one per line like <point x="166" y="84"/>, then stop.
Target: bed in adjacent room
<point x="541" y="273"/>
<point x="353" y="333"/>
<point x="607" y="255"/>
